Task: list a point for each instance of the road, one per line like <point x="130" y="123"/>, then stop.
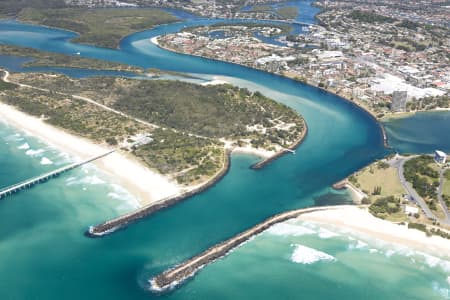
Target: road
<point x="399" y="163"/>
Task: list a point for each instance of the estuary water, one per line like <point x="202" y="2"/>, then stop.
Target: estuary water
<point x="44" y="255"/>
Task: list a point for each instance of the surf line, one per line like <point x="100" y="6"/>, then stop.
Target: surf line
<point x="173" y="277"/>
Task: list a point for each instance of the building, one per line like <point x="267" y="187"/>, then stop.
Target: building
<point x="411" y="210"/>
<point x="440" y="157"/>
<point x="399" y="101"/>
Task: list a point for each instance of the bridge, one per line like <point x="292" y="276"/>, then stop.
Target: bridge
<point x="26" y="184"/>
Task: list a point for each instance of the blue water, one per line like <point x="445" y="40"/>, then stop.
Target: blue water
<point x="307" y="12"/>
<point x="44" y="255"/>
<point x="423" y="132"/>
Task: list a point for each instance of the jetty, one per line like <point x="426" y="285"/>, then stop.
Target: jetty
<point x="169" y="279"/>
<point x="26" y="184"/>
<point x="124" y="220"/>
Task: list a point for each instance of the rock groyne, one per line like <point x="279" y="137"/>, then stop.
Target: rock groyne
<point x="171" y="278"/>
<point x="124" y="220"/>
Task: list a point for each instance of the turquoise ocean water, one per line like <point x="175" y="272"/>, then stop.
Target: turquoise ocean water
<point x="44" y="254"/>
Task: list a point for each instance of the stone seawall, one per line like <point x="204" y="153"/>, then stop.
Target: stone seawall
<point x="171" y="278"/>
<point x="122" y="221"/>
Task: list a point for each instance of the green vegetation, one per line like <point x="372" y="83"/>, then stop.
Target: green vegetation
<point x="385" y="207"/>
<point x="429" y="103"/>
<point x="212" y="111"/>
<point x="261" y="8"/>
<point x="288" y="12"/>
<point x="429" y="232"/>
<point x="100" y="27"/>
<point x="42" y="58"/>
<point x="423" y="178"/>
<point x="12" y="7"/>
<point x="446" y="189"/>
<point x="285" y="28"/>
<point x="370" y="17"/>
<point x="4" y="86"/>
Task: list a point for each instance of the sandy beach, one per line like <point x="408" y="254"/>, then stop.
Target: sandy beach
<point x="146" y="185"/>
<point x="361" y="221"/>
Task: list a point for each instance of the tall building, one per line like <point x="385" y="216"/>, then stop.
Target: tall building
<point x="399" y="101"/>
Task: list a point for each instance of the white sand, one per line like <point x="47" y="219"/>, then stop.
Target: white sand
<point x="247" y="149"/>
<point x="214" y="82"/>
<point x="360" y="220"/>
<point x="255" y="151"/>
<point x="148" y="186"/>
<point x="154" y="40"/>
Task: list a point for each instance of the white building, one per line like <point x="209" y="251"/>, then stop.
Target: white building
<point x="440" y="157"/>
<point x="411" y="210"/>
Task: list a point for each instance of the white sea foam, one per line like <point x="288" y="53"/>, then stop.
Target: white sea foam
<point x="32" y="152"/>
<point x="119" y="193"/>
<point x="433" y="261"/>
<point x="46" y="161"/>
<point x="373" y="250"/>
<point x="91" y="180"/>
<point x="359" y="245"/>
<point x="306" y="255"/>
<point x="389" y="253"/>
<point x="24" y="146"/>
<point x="286" y="229"/>
<point x="326" y="234"/>
<point x="448" y="280"/>
<point x="442" y="291"/>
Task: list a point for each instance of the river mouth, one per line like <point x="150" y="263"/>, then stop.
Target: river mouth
<point x="341" y="139"/>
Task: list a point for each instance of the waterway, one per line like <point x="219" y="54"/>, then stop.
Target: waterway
<point x="44" y="255"/>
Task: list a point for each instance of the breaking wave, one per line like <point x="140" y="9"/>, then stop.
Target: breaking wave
<point x="46" y="161"/>
<point x="306" y="255"/>
<point x="32" y="152"/>
<point x="286" y="229"/>
<point x="24" y="146"/>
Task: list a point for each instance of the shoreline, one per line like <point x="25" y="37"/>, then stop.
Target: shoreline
<point x="344" y="217"/>
<point x="122" y="168"/>
<point x="355" y="218"/>
<point x="155" y="41"/>
<point x="123" y="221"/>
<point x="361" y="221"/>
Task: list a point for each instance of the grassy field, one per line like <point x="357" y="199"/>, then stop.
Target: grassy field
<point x="288" y="12"/>
<point x="99" y="27"/>
<point x="42" y="58"/>
<point x="375" y="176"/>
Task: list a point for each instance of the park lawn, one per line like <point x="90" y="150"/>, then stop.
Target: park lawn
<point x="397" y="217"/>
<point x="446" y="189"/>
<point x="373" y="176"/>
<point x="99" y="27"/>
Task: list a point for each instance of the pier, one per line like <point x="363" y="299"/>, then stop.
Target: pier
<point x="26" y="184"/>
<point x="171" y="278"/>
